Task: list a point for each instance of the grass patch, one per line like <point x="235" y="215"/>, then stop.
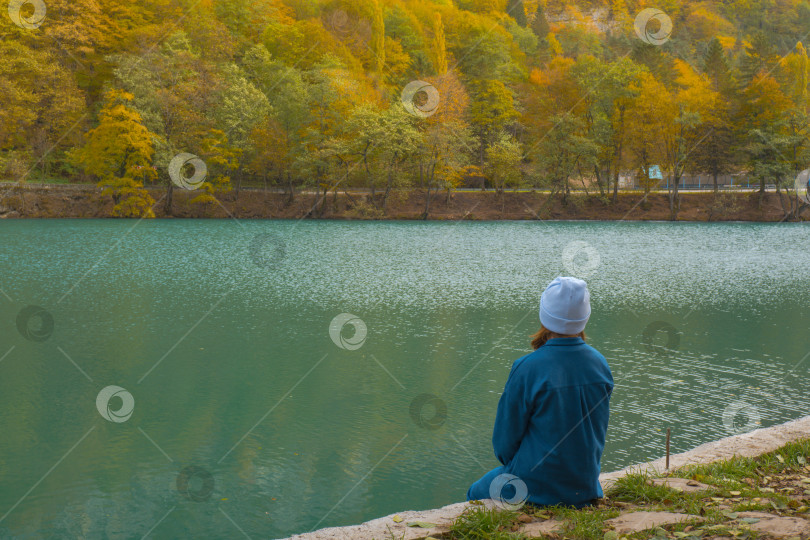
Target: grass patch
<point x="639" y="489"/>
<point x="789" y="457"/>
<point x="587" y="523"/>
<point x="482" y="523"/>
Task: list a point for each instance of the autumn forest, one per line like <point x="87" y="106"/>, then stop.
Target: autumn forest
<point x="321" y="96"/>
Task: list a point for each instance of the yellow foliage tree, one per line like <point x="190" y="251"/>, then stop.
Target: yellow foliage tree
<point x="797" y="66"/>
<point x="220" y="156"/>
<point x="378" y="36"/>
<point x="648" y="116"/>
<point x="119" y="152"/>
<point x="439" y="45"/>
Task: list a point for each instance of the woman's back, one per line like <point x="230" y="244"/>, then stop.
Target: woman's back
<point x="551" y="421"/>
<point x="553" y="414"/>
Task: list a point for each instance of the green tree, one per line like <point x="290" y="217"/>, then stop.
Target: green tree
<point x="240" y="108"/>
<point x="517" y="11"/>
<point x="767" y="146"/>
<point x="564" y="152"/>
<point x="760" y="57"/>
<point x="278" y="143"/>
<point x="491" y="111"/>
<point x="604" y="111"/>
<point x="716" y="67"/>
<point x="539" y="23"/>
<point x="504" y="156"/>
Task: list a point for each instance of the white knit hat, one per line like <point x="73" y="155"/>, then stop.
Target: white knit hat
<point x="565" y="306"/>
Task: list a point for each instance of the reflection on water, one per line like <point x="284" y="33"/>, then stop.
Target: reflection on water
<point x="248" y="411"/>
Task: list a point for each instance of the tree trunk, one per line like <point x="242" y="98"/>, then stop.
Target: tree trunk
<point x="291" y="195"/>
<point x="387" y="188"/>
<point x="167" y="206"/>
<point x="427" y="203"/>
<point x="566" y="191"/>
<point x="323" y="200"/>
<point x="617" y="155"/>
<point x="599" y="180"/>
<point x="787" y="212"/>
<point x="673" y="197"/>
<point x="616" y="186"/>
<point x="238" y="175"/>
<point x="428" y="182"/>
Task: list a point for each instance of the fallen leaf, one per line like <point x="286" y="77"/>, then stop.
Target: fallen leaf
<point x="611" y="535"/>
<point x="692" y="483"/>
<point x="780" y="458"/>
<point x="735" y="493"/>
<point x="750" y="520"/>
<point x="730" y="515"/>
<point x="397" y="519"/>
<point x="421" y="524"/>
<point x="525" y="518"/>
<point x="801" y="459"/>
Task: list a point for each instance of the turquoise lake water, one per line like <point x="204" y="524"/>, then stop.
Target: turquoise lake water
<point x="178" y="378"/>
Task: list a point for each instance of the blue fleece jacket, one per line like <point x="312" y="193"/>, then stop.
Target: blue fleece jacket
<point x="551" y="421"/>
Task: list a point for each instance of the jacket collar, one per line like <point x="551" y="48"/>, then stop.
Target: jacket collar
<point x="565" y="341"/>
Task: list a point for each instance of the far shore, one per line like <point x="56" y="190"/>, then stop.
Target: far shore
<point x="87" y="201"/>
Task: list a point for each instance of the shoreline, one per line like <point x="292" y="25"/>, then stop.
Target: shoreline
<point x="87" y="201"/>
<point x="750" y="444"/>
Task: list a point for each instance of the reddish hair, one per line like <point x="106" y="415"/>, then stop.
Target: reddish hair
<point x="540" y="337"/>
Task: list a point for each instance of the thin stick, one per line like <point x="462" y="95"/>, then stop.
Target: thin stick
<point x="668" y="433"/>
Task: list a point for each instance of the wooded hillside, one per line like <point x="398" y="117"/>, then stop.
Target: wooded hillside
<point x="399" y="94"/>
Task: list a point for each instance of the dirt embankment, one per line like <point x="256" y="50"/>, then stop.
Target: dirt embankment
<point x="74" y="201"/>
